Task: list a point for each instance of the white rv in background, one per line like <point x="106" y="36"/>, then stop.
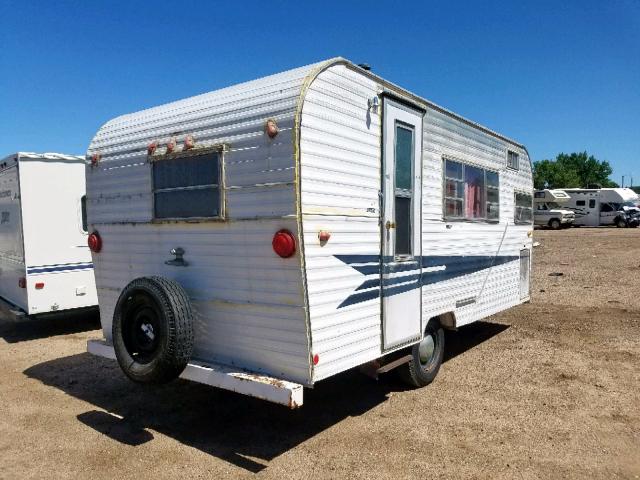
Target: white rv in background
<point x="548" y="211"/>
<point x="269" y="235"/>
<point x="603" y="206"/>
<point x="45" y="263"/>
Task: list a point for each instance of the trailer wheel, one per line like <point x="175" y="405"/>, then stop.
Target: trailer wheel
<point x="555" y="224"/>
<point x="426" y="357"/>
<point x="621" y="222"/>
<point x="153" y="330"/>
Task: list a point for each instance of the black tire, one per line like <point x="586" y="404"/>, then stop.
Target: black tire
<point x="621" y="222"/>
<point x="418" y="373"/>
<point x="153" y="330"/>
<point x="555" y="224"/>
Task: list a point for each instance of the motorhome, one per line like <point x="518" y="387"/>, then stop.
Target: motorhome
<point x="604" y="206"/>
<point x="548" y="211"/>
<point x="45" y="263"/>
<point x="272" y="234"/>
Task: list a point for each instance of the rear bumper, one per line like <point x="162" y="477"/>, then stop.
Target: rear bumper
<point x="222" y="376"/>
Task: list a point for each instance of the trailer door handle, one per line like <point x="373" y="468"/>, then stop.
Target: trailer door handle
<point x="390" y="225"/>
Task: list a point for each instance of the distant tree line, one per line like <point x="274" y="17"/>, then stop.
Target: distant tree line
<point x="574" y="170"/>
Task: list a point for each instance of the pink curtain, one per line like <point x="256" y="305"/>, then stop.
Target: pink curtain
<point x="473" y="200"/>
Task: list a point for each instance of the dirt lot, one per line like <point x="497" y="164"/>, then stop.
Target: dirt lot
<point x="547" y="390"/>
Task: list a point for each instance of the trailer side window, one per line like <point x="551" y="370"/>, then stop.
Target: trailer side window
<point x="453" y="190"/>
<point x="513" y="160"/>
<point x="470" y="193"/>
<point x="580" y="203"/>
<point x="83" y="213"/>
<point x="493" y="195"/>
<point x="524" y="208"/>
<point x="187" y="187"/>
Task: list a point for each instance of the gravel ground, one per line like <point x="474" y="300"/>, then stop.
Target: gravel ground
<point x="550" y="389"/>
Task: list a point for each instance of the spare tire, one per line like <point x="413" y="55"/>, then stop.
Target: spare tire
<point x="153" y="330"/>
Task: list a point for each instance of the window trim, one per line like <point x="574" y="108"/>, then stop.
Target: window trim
<point x="195" y="152"/>
<point x="517" y="155"/>
<point x="403" y="192"/>
<point x="444" y="196"/>
<point x="515" y="207"/>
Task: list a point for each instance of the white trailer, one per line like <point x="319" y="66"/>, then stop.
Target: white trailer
<point x="603" y="206"/>
<point x="549" y="211"/>
<point x="290" y="228"/>
<point x="45" y="263"/>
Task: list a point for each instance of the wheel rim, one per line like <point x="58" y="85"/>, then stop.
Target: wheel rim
<point x="141" y="329"/>
<point x="426" y="350"/>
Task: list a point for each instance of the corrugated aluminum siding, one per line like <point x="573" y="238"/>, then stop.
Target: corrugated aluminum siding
<point x="340" y="182"/>
<point x="445" y="136"/>
<point x="249" y="302"/>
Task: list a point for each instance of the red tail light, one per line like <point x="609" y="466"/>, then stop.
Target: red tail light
<point x="39" y="285"/>
<point x="22" y="282"/>
<point x="284" y="243"/>
<point x="95" y="242"/>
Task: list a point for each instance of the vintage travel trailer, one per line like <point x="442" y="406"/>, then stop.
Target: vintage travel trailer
<point x="45" y="263"/>
<point x="269" y="235"/>
<point x="604" y="206"/>
<point x="548" y="211"/>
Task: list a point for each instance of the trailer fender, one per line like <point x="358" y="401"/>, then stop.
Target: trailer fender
<point x="447" y="320"/>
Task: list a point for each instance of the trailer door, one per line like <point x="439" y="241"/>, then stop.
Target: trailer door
<point x="401" y="224"/>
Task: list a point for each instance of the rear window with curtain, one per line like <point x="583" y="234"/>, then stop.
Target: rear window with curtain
<point x="187" y="186"/>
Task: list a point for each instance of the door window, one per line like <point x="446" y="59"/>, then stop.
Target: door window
<point x="403" y="188"/>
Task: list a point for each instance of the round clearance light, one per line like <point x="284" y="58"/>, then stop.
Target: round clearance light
<point x="95" y="242"/>
<point x="284" y="243"/>
<point x="316" y="359"/>
<point x="151" y="148"/>
<point x="171" y="146"/>
<point x="324" y="237"/>
<point x="271" y="128"/>
<point x="189" y="142"/>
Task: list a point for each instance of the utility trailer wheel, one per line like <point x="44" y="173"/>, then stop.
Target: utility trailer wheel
<point x="621" y="222"/>
<point x="555" y="224"/>
<point x="153" y="330"/>
<point x="426" y="357"/>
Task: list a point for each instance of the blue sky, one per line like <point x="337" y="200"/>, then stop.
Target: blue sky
<point x="557" y="76"/>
